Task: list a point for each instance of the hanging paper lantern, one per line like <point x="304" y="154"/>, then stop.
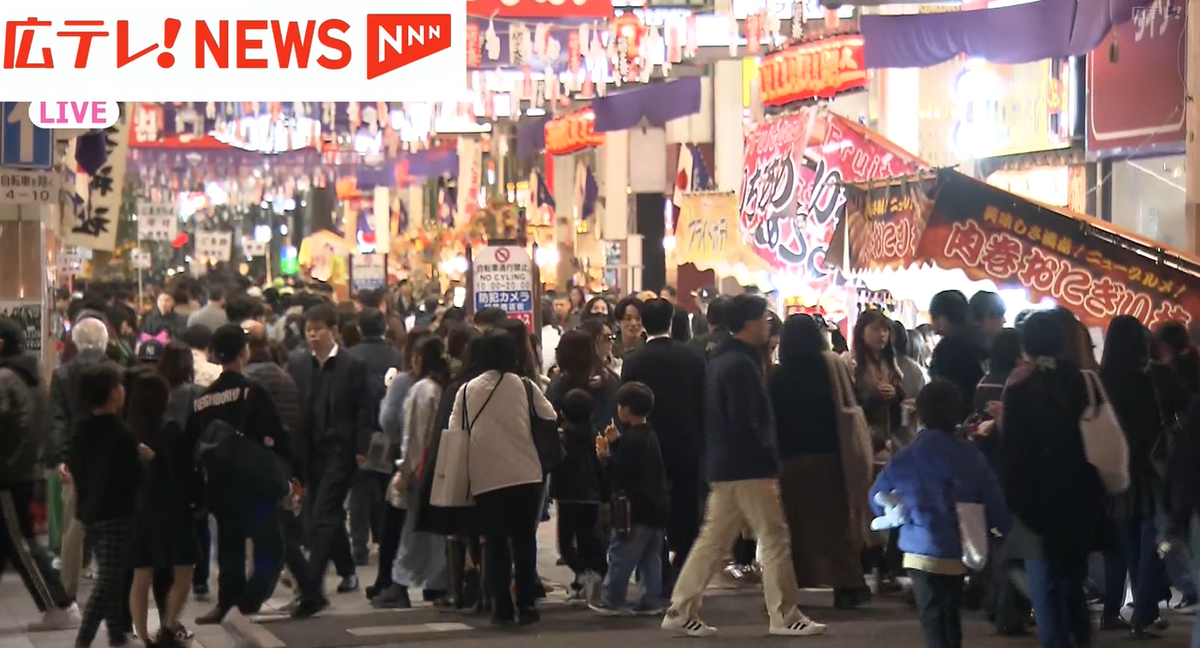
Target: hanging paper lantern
<point x="627" y="58"/>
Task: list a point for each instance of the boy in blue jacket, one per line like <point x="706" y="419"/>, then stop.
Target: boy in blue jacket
<point x="929" y="478"/>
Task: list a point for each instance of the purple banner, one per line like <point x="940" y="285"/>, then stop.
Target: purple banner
<point x="1016" y="34"/>
<point x="657" y="103"/>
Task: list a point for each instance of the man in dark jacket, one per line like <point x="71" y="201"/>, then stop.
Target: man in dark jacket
<point x="22" y="439"/>
<point x="743" y="470"/>
<point x="90" y="337"/>
<point x="245" y="405"/>
<point x="367" y="492"/>
<point x="336" y="426"/>
<point x="718" y="328"/>
<point x="674" y="371"/>
<point x="960" y="355"/>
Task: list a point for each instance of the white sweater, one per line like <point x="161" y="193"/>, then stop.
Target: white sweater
<point x="502" y="453"/>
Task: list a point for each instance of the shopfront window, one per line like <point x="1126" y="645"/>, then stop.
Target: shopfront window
<point x="1148" y="198"/>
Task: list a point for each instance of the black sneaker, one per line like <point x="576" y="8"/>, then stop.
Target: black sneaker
<point x="528" y="616"/>
<point x="200" y="591"/>
<point x="395" y="597"/>
<point x="348" y="584"/>
<point x="309" y="607"/>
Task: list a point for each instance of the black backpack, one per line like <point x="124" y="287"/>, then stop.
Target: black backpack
<point x="229" y="457"/>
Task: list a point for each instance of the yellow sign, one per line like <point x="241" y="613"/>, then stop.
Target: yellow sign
<point x="708" y="236"/>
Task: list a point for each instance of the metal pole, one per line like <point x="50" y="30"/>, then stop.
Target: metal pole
<point x="1192" y="180"/>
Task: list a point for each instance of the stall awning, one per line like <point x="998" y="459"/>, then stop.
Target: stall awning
<point x="1090" y="266"/>
<point x="657" y="103"/>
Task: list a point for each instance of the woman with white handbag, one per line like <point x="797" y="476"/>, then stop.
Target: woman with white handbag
<point x="1052" y="486"/>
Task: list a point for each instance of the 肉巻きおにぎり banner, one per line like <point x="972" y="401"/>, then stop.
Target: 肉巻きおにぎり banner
<point x="1094" y="269"/>
<point x="883" y="224"/>
<point x="793" y="194"/>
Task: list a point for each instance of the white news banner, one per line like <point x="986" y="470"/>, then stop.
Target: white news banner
<point x="20" y="187"/>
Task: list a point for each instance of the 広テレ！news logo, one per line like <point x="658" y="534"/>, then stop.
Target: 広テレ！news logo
<point x="233" y="50"/>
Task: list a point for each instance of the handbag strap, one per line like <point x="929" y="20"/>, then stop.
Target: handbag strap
<point x="1093" y="392"/>
<point x="467" y="420"/>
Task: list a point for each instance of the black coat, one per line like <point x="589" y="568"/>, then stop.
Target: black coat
<point x="65" y="408"/>
<point x="578" y="479"/>
<point x="674" y="371"/>
<point x="636" y="470"/>
<point x="379" y="357"/>
<point x="105" y="468"/>
<point x="349" y="429"/>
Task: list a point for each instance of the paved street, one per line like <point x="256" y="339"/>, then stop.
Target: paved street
<point x="738" y="613"/>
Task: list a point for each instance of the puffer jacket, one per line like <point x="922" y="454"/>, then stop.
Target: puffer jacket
<point x="23" y="419"/>
<point x="283" y="392"/>
<point x="65" y="409"/>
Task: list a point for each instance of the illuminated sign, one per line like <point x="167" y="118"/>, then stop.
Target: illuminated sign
<point x="819" y="69"/>
<point x="572" y="133"/>
<point x="1010" y="109"/>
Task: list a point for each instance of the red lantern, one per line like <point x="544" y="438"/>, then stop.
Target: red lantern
<point x="179" y="241"/>
<point x="628" y="60"/>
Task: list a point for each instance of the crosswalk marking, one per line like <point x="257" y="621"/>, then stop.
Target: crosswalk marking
<point x="375" y="631"/>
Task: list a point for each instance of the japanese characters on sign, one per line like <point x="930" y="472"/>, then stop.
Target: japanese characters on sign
<point x="1050" y="255"/>
<point x="572" y="133"/>
<point x="818" y="69"/>
<point x="157" y="222"/>
<point x="707" y="234"/>
<point x="884" y="225"/>
<point x="27" y="315"/>
<point x="792" y="196"/>
<point x="367" y="272"/>
<point x="213" y="246"/>
<point x="28" y="187"/>
<point x="140" y="259"/>
<point x="252" y="248"/>
<point x="503" y="278"/>
<point x="94" y="203"/>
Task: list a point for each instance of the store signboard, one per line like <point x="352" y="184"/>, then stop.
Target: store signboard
<point x="571" y="133"/>
<point x="884" y="224"/>
<point x="792" y="191"/>
<point x="989" y="234"/>
<point x="821" y="68"/>
<point x="1136" y="101"/>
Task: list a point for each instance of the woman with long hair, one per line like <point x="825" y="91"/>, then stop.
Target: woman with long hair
<point x="877" y="378"/>
<point x="165" y="537"/>
<point x="1147" y="398"/>
<point x="1055" y="494"/>
<point x="422" y="556"/>
<point x="579" y="367"/>
<point x="826" y="508"/>
<point x="604" y="339"/>
<point x="505" y="474"/>
<point x="528" y="364"/>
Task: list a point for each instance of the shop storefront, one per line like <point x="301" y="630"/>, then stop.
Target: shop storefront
<point x="1136" y="99"/>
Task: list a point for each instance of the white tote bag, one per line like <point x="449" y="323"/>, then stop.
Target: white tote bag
<point x="1103" y="440"/>
<point x="973" y="534"/>
<point x="452" y="474"/>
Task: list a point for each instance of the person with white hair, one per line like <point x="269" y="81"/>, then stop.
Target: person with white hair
<point x="90" y="336"/>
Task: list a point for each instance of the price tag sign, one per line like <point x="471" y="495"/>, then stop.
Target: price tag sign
<point x="19" y="187"/>
<point x="253" y="248"/>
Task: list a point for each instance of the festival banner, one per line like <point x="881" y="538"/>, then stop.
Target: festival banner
<point x="707" y="234"/>
<point x="989" y="233"/>
<point x="884" y="222"/>
<point x="793" y="193"/>
<point x="821" y="68"/>
<point x="94" y="202"/>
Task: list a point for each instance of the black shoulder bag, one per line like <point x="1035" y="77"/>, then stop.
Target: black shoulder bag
<point x="546" y="437"/>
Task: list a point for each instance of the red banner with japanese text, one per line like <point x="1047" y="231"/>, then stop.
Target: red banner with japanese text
<point x="792" y="192"/>
<point x="989" y="233"/>
<point x="884" y="223"/>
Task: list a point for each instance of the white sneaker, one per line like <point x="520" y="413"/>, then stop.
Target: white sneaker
<point x="799" y="626"/>
<point x="67" y="618"/>
<point x="675" y="621"/>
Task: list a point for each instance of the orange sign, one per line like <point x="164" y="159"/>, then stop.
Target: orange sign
<point x="819" y="69"/>
<point x="572" y="133"/>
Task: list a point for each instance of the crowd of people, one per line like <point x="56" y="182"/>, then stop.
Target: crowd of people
<point x="689" y="443"/>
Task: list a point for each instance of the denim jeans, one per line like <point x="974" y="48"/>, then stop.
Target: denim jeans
<point x="1056" y="591"/>
<point x="1147" y="575"/>
<point x="642" y="550"/>
<point x="1181" y="571"/>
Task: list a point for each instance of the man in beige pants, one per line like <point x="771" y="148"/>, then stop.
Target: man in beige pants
<point x="743" y="468"/>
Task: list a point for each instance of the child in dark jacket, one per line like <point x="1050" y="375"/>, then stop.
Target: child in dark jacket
<point x="640" y="505"/>
<point x="577" y="488"/>
<point x="106" y="466"/>
<point x="929" y="479"/>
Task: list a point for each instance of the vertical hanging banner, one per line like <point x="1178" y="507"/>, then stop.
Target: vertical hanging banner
<point x="94" y="201"/>
<point x="381" y="220"/>
<point x="470" y="166"/>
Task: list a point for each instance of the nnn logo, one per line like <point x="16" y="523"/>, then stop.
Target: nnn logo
<point x="395" y="40"/>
